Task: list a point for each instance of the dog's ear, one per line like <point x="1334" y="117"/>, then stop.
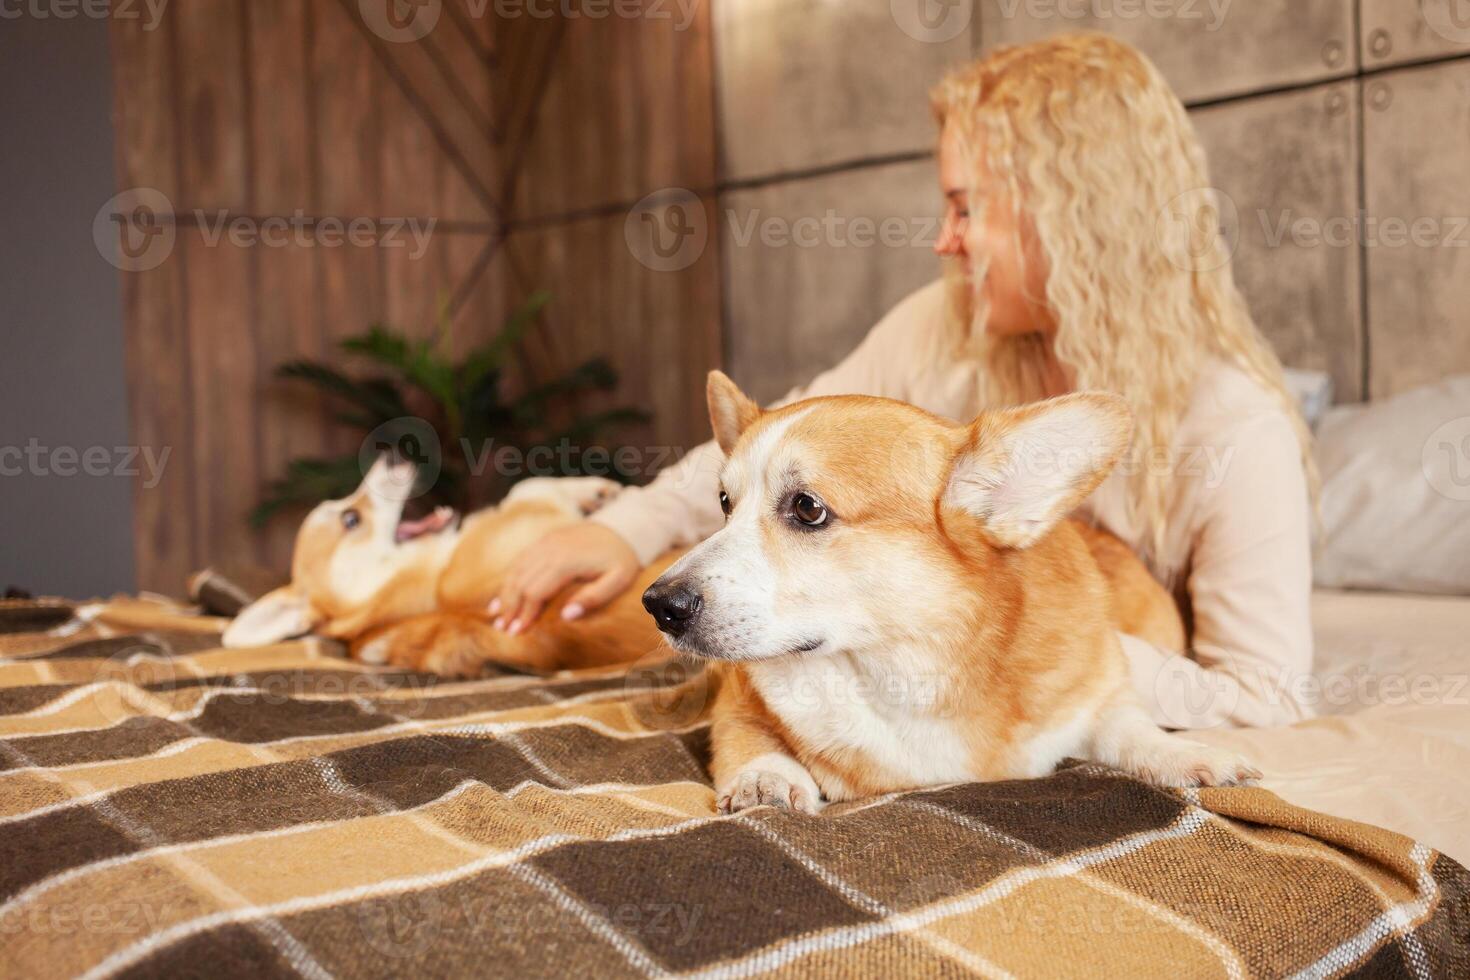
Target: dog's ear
<point x="278" y="615"/>
<point x="730" y="412"/>
<point x="1022" y="470"/>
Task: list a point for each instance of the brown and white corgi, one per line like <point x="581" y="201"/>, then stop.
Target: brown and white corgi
<point x="898" y="601"/>
<point x="415" y="593"/>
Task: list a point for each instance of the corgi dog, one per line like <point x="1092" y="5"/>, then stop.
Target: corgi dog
<point x="898" y="601"/>
<point x="415" y="593"/>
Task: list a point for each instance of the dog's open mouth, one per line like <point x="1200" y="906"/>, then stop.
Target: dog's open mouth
<point x="437" y="520"/>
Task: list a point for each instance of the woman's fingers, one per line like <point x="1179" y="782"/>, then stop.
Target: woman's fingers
<point x="509" y="604"/>
<point x="539" y="589"/>
<point x="584" y="552"/>
<point x="506" y="607"/>
<point x="599" y="592"/>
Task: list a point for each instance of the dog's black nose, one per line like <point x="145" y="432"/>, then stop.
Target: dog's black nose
<point x="672" y="606"/>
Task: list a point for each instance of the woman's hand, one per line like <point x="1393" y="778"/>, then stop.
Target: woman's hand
<point x="586" y="552"/>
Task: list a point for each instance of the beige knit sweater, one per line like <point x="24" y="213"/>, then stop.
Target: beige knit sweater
<point x="1237" y="549"/>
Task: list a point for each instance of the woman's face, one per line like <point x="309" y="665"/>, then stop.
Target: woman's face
<point x="1015" y="280"/>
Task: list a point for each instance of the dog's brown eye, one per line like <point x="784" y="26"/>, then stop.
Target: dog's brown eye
<point x="808" y="510"/>
<point x="351" y="518"/>
<point x="725" y="503"/>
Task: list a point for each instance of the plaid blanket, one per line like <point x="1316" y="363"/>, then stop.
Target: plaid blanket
<point x="167" y="806"/>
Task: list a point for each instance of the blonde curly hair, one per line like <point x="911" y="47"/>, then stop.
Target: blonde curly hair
<point x="1099" y="152"/>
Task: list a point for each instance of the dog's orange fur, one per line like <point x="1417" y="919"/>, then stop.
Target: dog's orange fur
<point x="460" y="640"/>
<point x="431" y="611"/>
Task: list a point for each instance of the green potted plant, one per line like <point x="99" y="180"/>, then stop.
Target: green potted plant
<point x="423" y="401"/>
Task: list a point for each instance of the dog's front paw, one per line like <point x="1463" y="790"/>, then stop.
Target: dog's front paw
<point x="756" y="787"/>
<point x="1182" y="763"/>
<point x="579" y="495"/>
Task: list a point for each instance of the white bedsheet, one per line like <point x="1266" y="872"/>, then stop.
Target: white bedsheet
<point x="1392" y="744"/>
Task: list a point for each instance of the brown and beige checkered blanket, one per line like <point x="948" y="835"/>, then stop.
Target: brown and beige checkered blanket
<point x="167" y="806"/>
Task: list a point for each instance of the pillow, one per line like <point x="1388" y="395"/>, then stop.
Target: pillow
<point x="1313" y="393"/>
<point x="1396" y="492"/>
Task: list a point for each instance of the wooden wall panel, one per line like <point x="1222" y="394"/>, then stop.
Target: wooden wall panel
<point x="160" y="403"/>
<point x="628" y="109"/>
<point x="409" y="153"/>
<point x="219" y="303"/>
<point x="286" y="322"/>
<point x="344" y="88"/>
<point x="439" y="101"/>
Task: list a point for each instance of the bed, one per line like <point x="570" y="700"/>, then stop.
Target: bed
<point x="171" y="806"/>
<point x="1391" y="745"/>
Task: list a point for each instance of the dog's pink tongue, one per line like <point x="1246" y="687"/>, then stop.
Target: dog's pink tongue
<point x="437" y="521"/>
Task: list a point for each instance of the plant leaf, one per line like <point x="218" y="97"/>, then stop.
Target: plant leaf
<point x="415" y="360"/>
<point x="490" y="356"/>
<point x="592" y="374"/>
<point x="376" y="396"/>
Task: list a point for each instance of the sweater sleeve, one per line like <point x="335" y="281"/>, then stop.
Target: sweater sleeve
<point x="681" y="506"/>
<point x="1250" y="584"/>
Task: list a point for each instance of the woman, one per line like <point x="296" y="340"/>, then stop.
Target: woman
<point x="1081" y="251"/>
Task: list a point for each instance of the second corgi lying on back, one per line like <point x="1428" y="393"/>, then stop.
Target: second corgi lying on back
<point x="414" y="593"/>
<point x="897" y="601"/>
